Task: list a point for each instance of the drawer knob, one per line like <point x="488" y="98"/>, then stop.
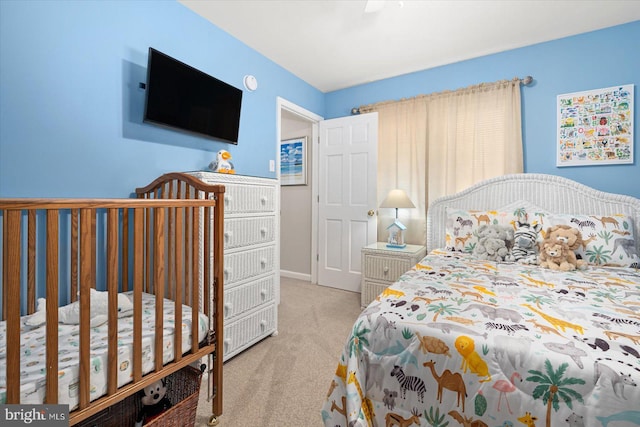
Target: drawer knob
<point x="386" y="270"/>
<point x="263" y="199"/>
<point x="263" y="231"/>
<point x="263" y="262"/>
<point x="228" y="306"/>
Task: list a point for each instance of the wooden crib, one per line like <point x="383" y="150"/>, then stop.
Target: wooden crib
<point x="59" y="249"/>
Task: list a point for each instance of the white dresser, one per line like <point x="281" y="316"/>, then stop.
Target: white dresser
<point x="251" y="258"/>
<point x="382" y="266"/>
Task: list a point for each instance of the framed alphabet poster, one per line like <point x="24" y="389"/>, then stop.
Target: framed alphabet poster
<point x="595" y="127"/>
<point x="293" y="161"/>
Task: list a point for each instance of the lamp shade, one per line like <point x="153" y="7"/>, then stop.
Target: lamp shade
<point x="397" y="199"/>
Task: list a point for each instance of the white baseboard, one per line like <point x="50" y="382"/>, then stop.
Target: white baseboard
<point x="295" y="275"/>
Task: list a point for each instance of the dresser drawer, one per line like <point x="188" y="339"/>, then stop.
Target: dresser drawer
<point x="385" y="268"/>
<point x="245" y="331"/>
<point x="248" y="231"/>
<point x="242" y="198"/>
<point x="244" y="194"/>
<point x="248" y="263"/>
<point x="243" y="298"/>
<point x="370" y="290"/>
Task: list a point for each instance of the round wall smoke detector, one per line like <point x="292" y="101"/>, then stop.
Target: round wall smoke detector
<point x="250" y="83"/>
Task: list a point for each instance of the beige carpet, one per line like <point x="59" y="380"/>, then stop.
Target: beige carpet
<point x="283" y="380"/>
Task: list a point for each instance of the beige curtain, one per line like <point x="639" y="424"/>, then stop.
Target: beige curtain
<point x="438" y="144"/>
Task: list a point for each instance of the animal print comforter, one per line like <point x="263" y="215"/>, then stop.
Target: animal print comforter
<point x="463" y="342"/>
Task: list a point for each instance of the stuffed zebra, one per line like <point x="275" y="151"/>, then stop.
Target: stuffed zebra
<point x="525" y="248"/>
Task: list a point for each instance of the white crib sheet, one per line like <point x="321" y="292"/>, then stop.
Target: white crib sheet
<point x="33" y="349"/>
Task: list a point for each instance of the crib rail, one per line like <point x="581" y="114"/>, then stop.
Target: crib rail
<point x="179" y="185"/>
<point x="60" y="248"/>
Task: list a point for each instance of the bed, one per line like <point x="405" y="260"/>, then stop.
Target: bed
<point x="55" y="255"/>
<point x="463" y="341"/>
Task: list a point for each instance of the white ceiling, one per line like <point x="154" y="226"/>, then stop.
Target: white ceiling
<point x="334" y="44"/>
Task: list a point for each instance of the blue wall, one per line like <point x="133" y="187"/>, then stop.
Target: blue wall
<point x="71" y="110"/>
<point x="598" y="59"/>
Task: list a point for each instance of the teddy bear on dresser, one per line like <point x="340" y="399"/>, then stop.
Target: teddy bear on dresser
<point x="494" y="243"/>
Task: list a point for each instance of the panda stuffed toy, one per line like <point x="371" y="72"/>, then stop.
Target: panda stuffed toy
<point x="154" y="402"/>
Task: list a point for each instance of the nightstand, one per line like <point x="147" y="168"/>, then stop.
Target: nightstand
<point x="382" y="266"/>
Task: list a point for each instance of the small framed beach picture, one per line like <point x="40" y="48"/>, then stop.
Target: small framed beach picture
<point x="293" y="161"/>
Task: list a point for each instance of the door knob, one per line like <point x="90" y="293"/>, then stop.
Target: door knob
<point x="371" y="212"/>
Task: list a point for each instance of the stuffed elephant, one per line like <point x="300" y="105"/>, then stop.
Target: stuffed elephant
<point x="494" y="243"/>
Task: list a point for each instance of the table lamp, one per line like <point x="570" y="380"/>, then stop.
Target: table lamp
<point x="396" y="199"/>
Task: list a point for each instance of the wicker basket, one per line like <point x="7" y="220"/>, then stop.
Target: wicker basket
<point x="183" y="391"/>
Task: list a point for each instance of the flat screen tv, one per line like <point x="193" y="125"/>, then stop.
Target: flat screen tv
<point x="181" y="97"/>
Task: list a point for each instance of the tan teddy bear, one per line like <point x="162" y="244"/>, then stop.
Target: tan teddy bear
<point x="569" y="235"/>
<point x="555" y="256"/>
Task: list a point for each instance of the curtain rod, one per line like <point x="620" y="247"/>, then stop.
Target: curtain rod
<point x="526" y="81"/>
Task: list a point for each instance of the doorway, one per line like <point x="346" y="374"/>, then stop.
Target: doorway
<point x="312" y="246"/>
<point x="298" y="207"/>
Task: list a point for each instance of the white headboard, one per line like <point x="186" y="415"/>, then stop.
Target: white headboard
<point x="550" y="193"/>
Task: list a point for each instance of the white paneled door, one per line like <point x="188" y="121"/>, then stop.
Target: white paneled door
<point x="346" y="197"/>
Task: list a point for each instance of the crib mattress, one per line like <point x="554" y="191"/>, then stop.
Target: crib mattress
<point x="33" y="353"/>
